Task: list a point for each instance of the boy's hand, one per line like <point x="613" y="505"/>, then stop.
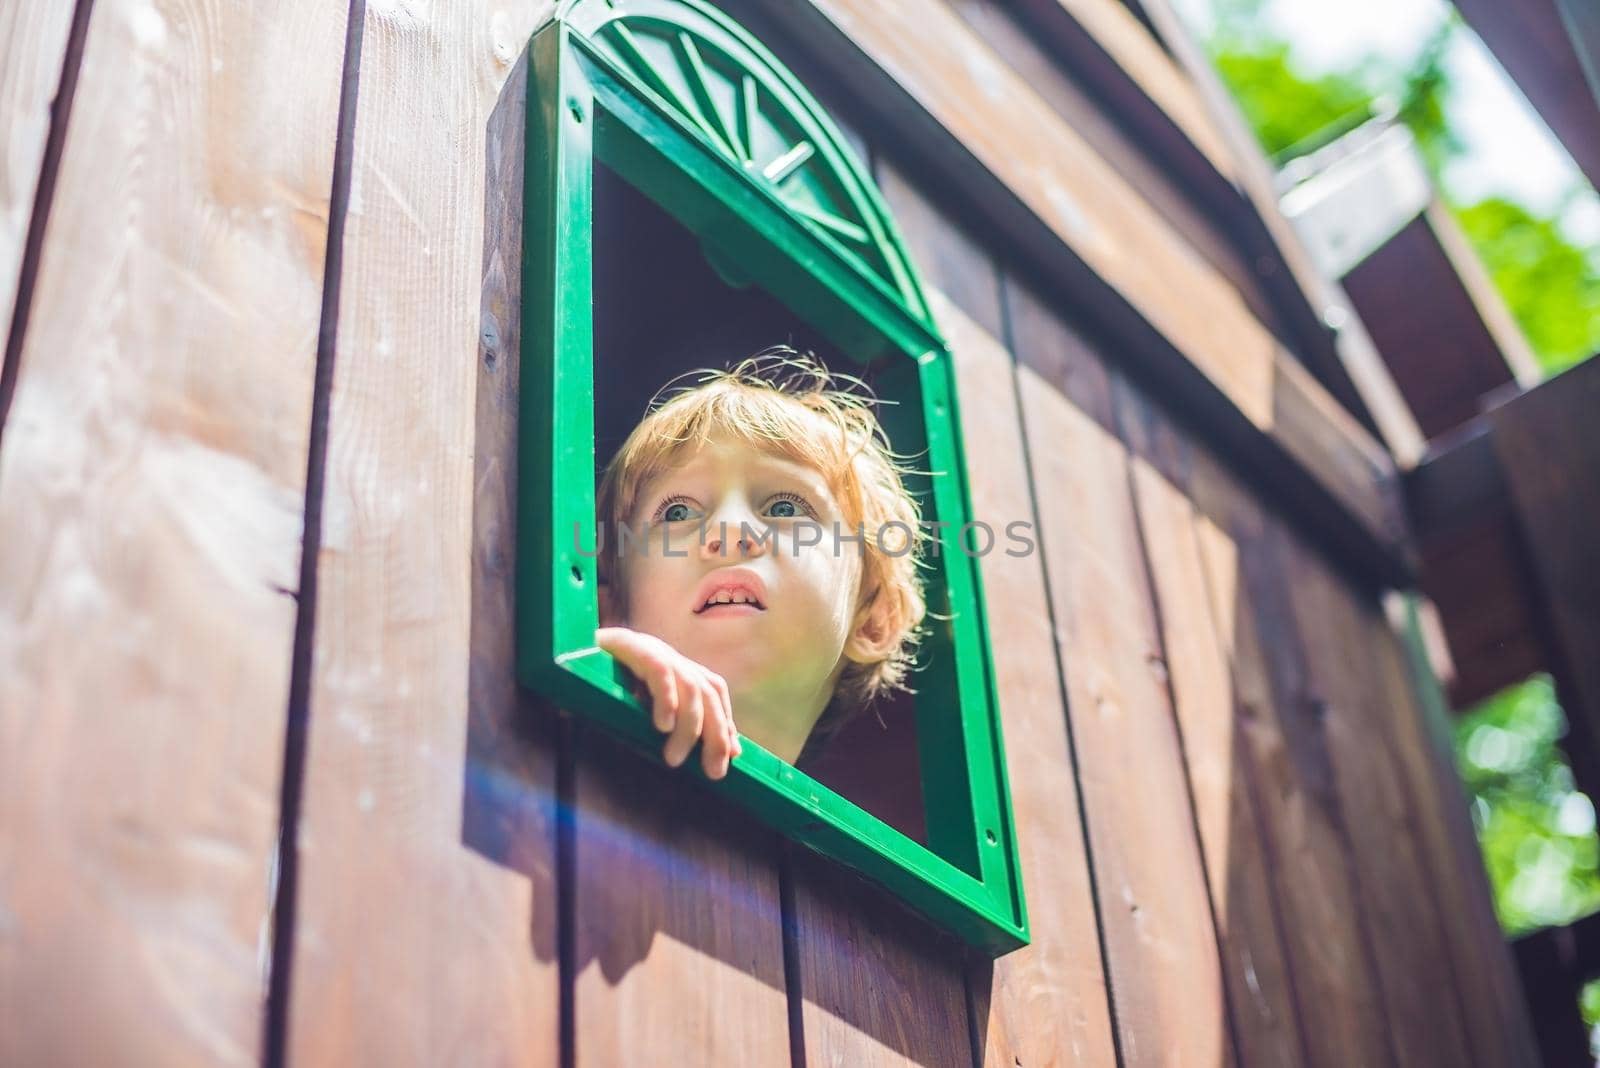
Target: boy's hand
<point x="689" y="701"/>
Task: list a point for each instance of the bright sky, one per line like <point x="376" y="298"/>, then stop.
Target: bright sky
<point x="1509" y="150"/>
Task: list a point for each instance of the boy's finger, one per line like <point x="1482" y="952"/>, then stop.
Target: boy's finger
<point x="735" y="747"/>
<point x="639" y="654"/>
<point x="717" y="738"/>
<point x="691" y="716"/>
<point x="720" y="684"/>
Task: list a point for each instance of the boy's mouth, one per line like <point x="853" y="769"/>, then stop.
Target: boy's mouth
<point x="731" y="610"/>
<point x="732" y="599"/>
<point x="731" y="591"/>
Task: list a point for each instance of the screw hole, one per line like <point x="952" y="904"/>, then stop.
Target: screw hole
<point x="577" y="574"/>
<point x="576" y="109"/>
<point x="990" y="835"/>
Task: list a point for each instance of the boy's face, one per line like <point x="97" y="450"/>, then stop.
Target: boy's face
<point x="731" y="515"/>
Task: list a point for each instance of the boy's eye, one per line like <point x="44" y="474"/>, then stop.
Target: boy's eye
<point x="673" y="511"/>
<point x="790" y="506"/>
<point x="782" y="506"/>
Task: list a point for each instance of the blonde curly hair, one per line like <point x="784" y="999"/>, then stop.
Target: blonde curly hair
<point x="778" y="400"/>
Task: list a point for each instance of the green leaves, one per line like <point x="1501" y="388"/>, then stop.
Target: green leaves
<point x="1536" y="831"/>
<point x="1287" y="109"/>
<point x="1550" y="285"/>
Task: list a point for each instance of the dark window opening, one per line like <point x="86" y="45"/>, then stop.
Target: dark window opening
<point x="661" y="309"/>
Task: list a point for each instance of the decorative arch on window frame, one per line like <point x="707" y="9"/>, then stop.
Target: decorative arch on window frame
<point x="691" y="110"/>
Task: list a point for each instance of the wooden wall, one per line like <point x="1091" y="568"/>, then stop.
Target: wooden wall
<point x="259" y="805"/>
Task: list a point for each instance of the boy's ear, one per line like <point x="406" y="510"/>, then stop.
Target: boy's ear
<point x="871" y="634"/>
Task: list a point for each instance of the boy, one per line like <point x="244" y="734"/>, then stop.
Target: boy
<point x="759" y="552"/>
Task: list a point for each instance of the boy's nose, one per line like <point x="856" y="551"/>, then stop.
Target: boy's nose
<point x="747" y="536"/>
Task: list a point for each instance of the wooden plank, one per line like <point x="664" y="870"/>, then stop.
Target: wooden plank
<point x="1045" y="1003"/>
<point x="1550" y="453"/>
<point x="1307" y="852"/>
<point x="678" y="927"/>
<point x="1582" y="24"/>
<point x="1232" y="217"/>
<point x="877" y="986"/>
<point x="1449" y="343"/>
<point x="1132" y="47"/>
<point x="425" y="929"/>
<point x="976" y="128"/>
<point x="946" y="256"/>
<point x="1161" y="948"/>
<point x="1311" y="298"/>
<point x="1068" y="68"/>
<point x="1488" y="599"/>
<point x="1480" y="960"/>
<point x="151" y="498"/>
<point x="955" y="75"/>
<point x="1247" y="915"/>
<point x="1395" y="886"/>
<point x="34" y="33"/>
<point x="1491" y="306"/>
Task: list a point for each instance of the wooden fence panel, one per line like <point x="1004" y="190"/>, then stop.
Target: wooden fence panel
<point x="1167" y="986"/>
<point x="877" y="987"/>
<point x="424" y="934"/>
<point x="1396" y="889"/>
<point x="1242" y="900"/>
<point x="1480" y="959"/>
<point x="1045" y="1003"/>
<point x="678" y="922"/>
<point x="1307" y="855"/>
<point x="151" y="499"/>
<point x="33" y="45"/>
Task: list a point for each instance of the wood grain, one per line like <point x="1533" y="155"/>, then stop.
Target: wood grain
<point x="1043" y="43"/>
<point x="1242" y="899"/>
<point x="678" y="922"/>
<point x="425" y="928"/>
<point x="675" y="906"/>
<point x="1325" y="940"/>
<point x="1480" y="958"/>
<point x="34" y="36"/>
<point x="1047" y="1002"/>
<point x="151" y="496"/>
<point x="1161" y="947"/>
<point x="880" y="987"/>
<point x="1396" y="887"/>
<point x="1164" y="81"/>
<point x="946" y="256"/>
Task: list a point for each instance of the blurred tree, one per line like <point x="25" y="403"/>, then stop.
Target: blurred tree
<point x="1552" y="288"/>
<point x="1424" y="92"/>
<point x="1290" y="112"/>
<point x="1537" y="832"/>
<point x="1551" y="285"/>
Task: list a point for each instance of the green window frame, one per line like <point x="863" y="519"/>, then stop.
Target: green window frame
<point x="690" y="109"/>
